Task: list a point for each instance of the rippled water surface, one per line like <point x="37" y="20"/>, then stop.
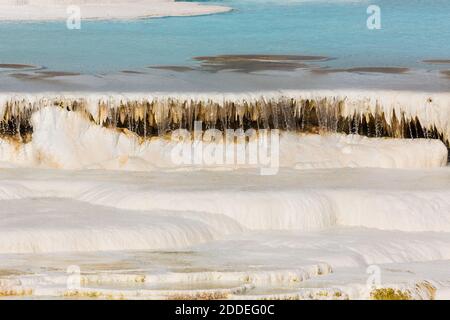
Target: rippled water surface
<point x="411" y="31"/>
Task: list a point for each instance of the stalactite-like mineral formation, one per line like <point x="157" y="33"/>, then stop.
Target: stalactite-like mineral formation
<point x="385" y="115"/>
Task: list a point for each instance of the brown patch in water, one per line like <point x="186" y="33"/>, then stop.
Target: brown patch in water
<point x="50" y="74"/>
<point x="173" y="68"/>
<point x="15" y="66"/>
<point x="255" y="62"/>
<point x="437" y="61"/>
<point x="389" y="70"/>
<point x="21" y="75"/>
<point x="259" y="57"/>
<point x="41" y="75"/>
<point x="446" y="73"/>
<point x="10" y="272"/>
<point x="131" y="72"/>
<point x="247" y="63"/>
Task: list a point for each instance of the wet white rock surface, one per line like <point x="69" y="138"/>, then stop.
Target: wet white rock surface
<point x="299" y="234"/>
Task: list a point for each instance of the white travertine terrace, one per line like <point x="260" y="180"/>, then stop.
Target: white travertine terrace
<point x="322" y="226"/>
<point x="430" y="108"/>
<point x="76" y="131"/>
<point x="41" y="10"/>
<point x="67" y="140"/>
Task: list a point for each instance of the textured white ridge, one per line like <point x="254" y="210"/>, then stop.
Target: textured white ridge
<point x="431" y="108"/>
<point x="96" y="219"/>
<point x="57" y="226"/>
<point x="67" y="140"/>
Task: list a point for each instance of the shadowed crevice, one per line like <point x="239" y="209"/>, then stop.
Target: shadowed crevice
<point x="386" y="70"/>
